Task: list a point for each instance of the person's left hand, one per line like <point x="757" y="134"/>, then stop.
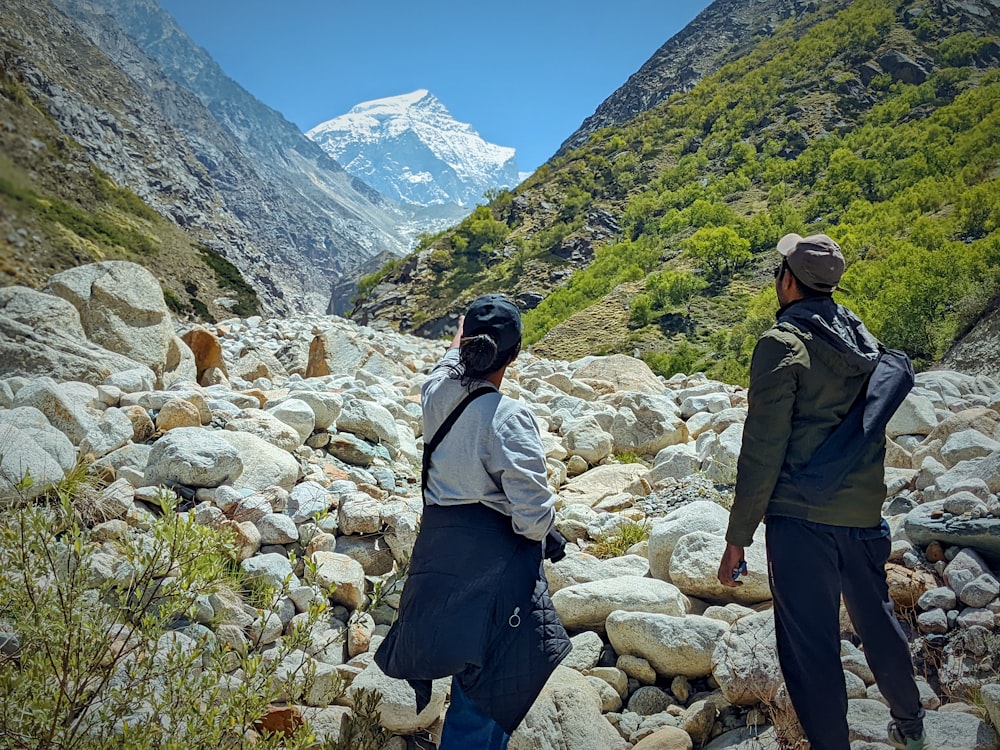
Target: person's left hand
<point x="731" y="560"/>
<point x="555" y="545"/>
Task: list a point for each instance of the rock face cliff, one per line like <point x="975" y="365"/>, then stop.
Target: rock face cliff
<point x="159" y="116"/>
<point x="719" y="34"/>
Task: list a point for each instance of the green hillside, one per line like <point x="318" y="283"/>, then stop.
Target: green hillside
<point x="807" y="132"/>
<point x="58" y="210"/>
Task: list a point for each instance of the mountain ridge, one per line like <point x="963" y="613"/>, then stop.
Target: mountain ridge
<point x="412" y="149"/>
<point x="711" y="39"/>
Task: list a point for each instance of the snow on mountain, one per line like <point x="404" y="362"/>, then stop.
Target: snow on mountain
<point x="411" y="149"/>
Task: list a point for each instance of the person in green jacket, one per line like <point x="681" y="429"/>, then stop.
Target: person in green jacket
<point x="806" y="373"/>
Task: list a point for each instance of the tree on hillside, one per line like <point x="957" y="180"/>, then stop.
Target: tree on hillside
<point x="718" y="250"/>
<point x="682" y="287"/>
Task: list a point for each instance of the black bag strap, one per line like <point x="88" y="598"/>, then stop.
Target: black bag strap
<point x="444" y="429"/>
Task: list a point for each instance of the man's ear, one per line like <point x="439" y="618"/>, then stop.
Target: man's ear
<point x="788" y="281"/>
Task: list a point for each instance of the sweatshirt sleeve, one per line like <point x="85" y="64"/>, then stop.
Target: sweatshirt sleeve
<point x="517" y="462"/>
<point x="771" y="401"/>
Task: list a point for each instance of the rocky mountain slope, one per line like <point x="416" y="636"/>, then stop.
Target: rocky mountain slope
<point x="273" y="466"/>
<point x="835" y="117"/>
<point x="411" y="149"/>
<point x="719" y="34"/>
<point x="162" y="120"/>
<point x="60" y="208"/>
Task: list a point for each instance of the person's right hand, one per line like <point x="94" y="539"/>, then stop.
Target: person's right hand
<point x="731" y="560"/>
<point x="457" y="339"/>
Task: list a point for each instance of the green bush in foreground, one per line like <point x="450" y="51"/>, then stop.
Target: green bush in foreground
<point x="99" y="646"/>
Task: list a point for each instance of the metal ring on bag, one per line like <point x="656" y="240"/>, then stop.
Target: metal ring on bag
<point x="515" y="619"/>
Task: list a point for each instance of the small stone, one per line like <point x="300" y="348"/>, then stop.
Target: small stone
<point x="941" y="597"/>
<point x="177" y="413"/>
<point x="681" y="688"/>
<point x="649" y="700"/>
<point x="933" y="621"/>
<point x="280" y="720"/>
<point x="637" y="668"/>
<point x="934" y="552"/>
<point x="976" y="616"/>
<point x="980" y="591"/>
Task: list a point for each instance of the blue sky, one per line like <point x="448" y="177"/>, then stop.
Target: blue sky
<point x="523" y="73"/>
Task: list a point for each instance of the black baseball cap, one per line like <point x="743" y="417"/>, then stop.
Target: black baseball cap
<point x="497" y="317"/>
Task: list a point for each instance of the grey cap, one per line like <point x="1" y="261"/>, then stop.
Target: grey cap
<point x="815" y="260"/>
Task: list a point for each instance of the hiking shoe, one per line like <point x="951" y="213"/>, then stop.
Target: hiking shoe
<point x="898" y="740"/>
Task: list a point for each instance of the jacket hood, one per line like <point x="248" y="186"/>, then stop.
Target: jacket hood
<point x="841" y="339"/>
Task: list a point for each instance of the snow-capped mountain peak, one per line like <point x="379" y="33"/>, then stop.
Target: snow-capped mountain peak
<point x="410" y="148"/>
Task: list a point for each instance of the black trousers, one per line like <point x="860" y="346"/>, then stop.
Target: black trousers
<point x="810" y="565"/>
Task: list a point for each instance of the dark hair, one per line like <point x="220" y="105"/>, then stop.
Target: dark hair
<point x="480" y="357"/>
<point x="806" y="291"/>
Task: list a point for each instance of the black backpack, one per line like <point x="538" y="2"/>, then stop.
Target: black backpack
<point x="839" y="454"/>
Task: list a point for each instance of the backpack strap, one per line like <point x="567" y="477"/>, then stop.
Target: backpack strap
<point x="444" y="429"/>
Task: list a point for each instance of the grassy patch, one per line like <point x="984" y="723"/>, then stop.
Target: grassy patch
<point x="617" y="544"/>
<point x="98" y="228"/>
<point x="229" y="277"/>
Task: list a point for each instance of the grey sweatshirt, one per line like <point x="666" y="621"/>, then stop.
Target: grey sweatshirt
<point x="493" y="454"/>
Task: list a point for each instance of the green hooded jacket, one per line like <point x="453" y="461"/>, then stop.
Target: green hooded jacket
<point x="806" y="372"/>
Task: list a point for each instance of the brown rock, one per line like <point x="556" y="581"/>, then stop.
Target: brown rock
<point x="906" y="586"/>
<point x="246" y="538"/>
<point x="360" y="628"/>
<point x="177" y="413"/>
<point x="258" y="394"/>
<point x="668" y="738"/>
<point x="373" y="490"/>
<point x="258" y="363"/>
<point x="279" y="720"/>
<point x="981" y="418"/>
<point x="142" y="425"/>
<point x="934" y="552"/>
<point x="207" y="351"/>
<point x="334" y="472"/>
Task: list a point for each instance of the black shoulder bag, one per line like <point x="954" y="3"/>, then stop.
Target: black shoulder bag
<point x="864" y="423"/>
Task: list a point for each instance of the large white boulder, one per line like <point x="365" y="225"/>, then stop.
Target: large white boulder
<point x="264" y="465"/>
<point x="61" y="405"/>
<point x="194" y="457"/>
<point x="584" y="437"/>
<point x="700" y="515"/>
<point x="34" y="423"/>
<point x="672" y="645"/>
<point x="566" y="714"/>
<point x="645" y="423"/>
<point x="587" y="605"/>
<point x="580" y="567"/>
<point x="745" y="661"/>
<point x="600" y="482"/>
<point x="694" y="569"/>
<point x="26" y="470"/>
<point x="623" y="372"/>
<point x="121" y="308"/>
<point x="398" y="708"/>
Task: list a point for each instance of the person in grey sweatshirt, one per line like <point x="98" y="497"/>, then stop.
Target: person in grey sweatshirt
<point x="475" y="605"/>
